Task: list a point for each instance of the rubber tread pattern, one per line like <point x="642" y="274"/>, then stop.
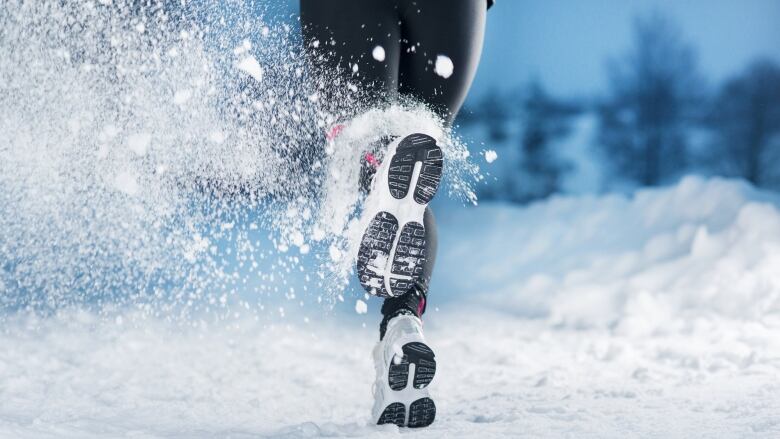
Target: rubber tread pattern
<point x="409" y="258"/>
<point x="412" y="149"/>
<point x="398" y="374"/>
<point x="422" y="357"/>
<point x="421" y="413"/>
<point x="424" y="364"/>
<point x="375" y="250"/>
<point x="394" y="413"/>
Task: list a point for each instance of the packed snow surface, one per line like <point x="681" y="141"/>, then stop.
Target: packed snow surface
<point x="650" y="315"/>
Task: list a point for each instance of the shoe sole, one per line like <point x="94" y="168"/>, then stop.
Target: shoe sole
<point x="389" y="262"/>
<point x="421" y="414"/>
<point x="422" y="410"/>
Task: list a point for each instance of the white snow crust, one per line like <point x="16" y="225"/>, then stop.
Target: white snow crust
<point x="139" y="143"/>
<point x="651" y="315"/>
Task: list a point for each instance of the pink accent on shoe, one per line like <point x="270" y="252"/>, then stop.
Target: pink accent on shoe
<point x="335" y="130"/>
<point x="371" y="159"/>
<point x="421" y="307"/>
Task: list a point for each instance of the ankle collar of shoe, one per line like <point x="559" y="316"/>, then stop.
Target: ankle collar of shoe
<point x="391" y="320"/>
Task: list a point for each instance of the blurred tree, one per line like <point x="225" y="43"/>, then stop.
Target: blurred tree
<point x="745" y="120"/>
<point x="545" y="121"/>
<point x="523" y="127"/>
<point x="653" y="100"/>
<point x="494" y="112"/>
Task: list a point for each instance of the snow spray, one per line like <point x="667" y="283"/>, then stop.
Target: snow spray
<point x="171" y="158"/>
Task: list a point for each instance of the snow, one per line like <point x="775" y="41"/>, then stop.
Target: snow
<point x="702" y="246"/>
<point x="139" y="143"/>
<point x="361" y="307"/>
<point x="74" y="150"/>
<point x="443" y="66"/>
<point x="490" y="156"/>
<point x="297" y="238"/>
<point x="251" y="66"/>
<point x="378" y="53"/>
<point x="182" y="96"/>
<point x="245" y="46"/>
<point x="184" y="312"/>
<point x="336" y="215"/>
<point x="127" y="182"/>
<point x="334" y="253"/>
<point x="217" y="137"/>
<point x="650" y="315"/>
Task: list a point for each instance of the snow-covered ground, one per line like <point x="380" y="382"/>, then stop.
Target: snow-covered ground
<point x="656" y="315"/>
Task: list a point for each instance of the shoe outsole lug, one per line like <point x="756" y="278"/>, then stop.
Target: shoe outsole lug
<point x="424" y="362"/>
<point x="394" y="413"/>
<point x="375" y="248"/>
<point x="423" y="410"/>
<point x="409" y="258"/>
<point x="398" y="374"/>
<point x="406" y="261"/>
<point x="421" y="413"/>
<point x="412" y="149"/>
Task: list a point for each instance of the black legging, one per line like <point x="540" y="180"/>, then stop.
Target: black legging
<point x="412" y="33"/>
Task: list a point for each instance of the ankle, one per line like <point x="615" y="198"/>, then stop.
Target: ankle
<point x="412" y="303"/>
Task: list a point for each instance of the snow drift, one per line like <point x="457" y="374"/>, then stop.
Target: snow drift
<point x="702" y="246"/>
<point x="651" y="315"/>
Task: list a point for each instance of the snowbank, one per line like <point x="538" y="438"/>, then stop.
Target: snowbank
<point x="700" y="247"/>
<point x="655" y="316"/>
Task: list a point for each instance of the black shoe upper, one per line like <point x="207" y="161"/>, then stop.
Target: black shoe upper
<point x="412" y="302"/>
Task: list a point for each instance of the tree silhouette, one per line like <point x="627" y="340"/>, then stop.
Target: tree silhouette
<point x="545" y="121"/>
<point x="745" y="119"/>
<point x="654" y="91"/>
<point x="494" y="114"/>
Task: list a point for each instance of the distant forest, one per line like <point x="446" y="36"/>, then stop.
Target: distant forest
<point x="658" y="121"/>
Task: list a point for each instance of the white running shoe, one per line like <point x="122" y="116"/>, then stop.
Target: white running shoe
<point x="405" y="366"/>
<point x="392" y="251"/>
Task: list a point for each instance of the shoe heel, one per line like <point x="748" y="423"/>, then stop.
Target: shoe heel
<point x="422" y="357"/>
<point x="412" y="149"/>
